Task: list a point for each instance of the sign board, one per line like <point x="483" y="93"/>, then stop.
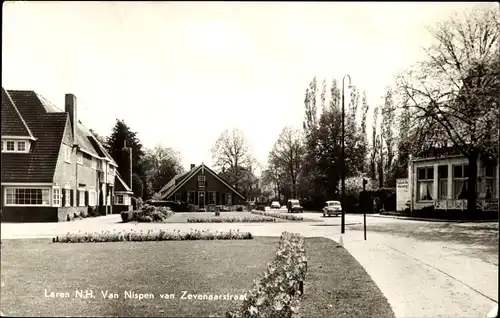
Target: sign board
<point x="402" y="193"/>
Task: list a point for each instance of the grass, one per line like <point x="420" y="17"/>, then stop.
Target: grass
<point x="208" y="267"/>
<point x="338" y="286"/>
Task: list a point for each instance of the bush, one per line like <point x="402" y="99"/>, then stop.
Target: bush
<point x="92" y="211"/>
<point x="134" y="236"/>
<point x="68" y="217"/>
<point x="278" y="292"/>
<point x="217" y="213"/>
<point x="239" y="208"/>
<point x="280" y="216"/>
<point x="231" y="220"/>
<point x="148" y="213"/>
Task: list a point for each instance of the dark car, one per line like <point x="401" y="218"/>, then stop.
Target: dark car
<point x="293" y="205"/>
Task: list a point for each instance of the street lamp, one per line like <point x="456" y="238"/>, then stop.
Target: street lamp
<point x="342" y="228"/>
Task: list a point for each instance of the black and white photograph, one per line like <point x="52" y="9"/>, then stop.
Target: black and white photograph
<point x="250" y="159"/>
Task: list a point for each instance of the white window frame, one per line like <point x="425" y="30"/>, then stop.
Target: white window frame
<point x="15" y="143"/>
<point x="80" y="193"/>
<point x="490" y="179"/>
<point x="47" y="193"/>
<point x="79" y="158"/>
<point x="443" y="183"/>
<point x="56" y="196"/>
<point x="68" y="197"/>
<point x="460" y="179"/>
<point x="92" y="197"/>
<point x="201" y="178"/>
<point x="428" y="180"/>
<point x="119" y="199"/>
<point x="67" y="154"/>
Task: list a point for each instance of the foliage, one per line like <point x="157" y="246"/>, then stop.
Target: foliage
<point x="453" y="95"/>
<point x="161" y="165"/>
<point x="122" y="135"/>
<point x="278" y="293"/>
<point x="246" y="219"/>
<point x="150" y="235"/>
<point x="287" y="156"/>
<point x="279" y="215"/>
<point x="147" y="213"/>
<point x="231" y="154"/>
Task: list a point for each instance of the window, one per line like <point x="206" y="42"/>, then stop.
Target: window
<point x="119" y="199"/>
<point x="81" y="197"/>
<point x="443" y="182"/>
<point x="460" y="177"/>
<point x="425" y="183"/>
<point x="201" y="178"/>
<point x="27" y="196"/>
<point x="489" y="175"/>
<point x="201" y="182"/>
<point x="21" y="146"/>
<point x="92" y="198"/>
<point x="56" y="196"/>
<point x="11" y="146"/>
<point x="87" y="159"/>
<point x="79" y="158"/>
<point x="229" y="199"/>
<point x="67" y="154"/>
<point x="68" y="197"/>
<point x="190" y="198"/>
<point x="211" y="197"/>
<point x="177" y="197"/>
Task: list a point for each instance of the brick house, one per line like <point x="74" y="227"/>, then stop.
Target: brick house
<point x="52" y="166"/>
<point x="203" y="188"/>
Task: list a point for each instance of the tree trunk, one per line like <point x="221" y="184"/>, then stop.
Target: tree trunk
<point x="472" y="183"/>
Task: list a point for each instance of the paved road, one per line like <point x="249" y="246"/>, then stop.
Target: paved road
<point x="420" y="274"/>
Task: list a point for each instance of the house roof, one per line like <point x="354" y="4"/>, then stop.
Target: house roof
<point x="121" y="186"/>
<point x="29" y="114"/>
<point x="170" y="188"/>
<point x="12" y="122"/>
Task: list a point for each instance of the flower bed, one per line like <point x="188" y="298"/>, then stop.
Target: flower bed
<point x="147" y="213"/>
<point x="140" y="236"/>
<point x="246" y="219"/>
<point x="279" y="215"/>
<point x="278" y="292"/>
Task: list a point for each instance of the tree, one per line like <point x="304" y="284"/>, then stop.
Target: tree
<point x="161" y="165"/>
<point x="230" y="153"/>
<point x="387" y="135"/>
<point x="121" y="135"/>
<point x="288" y="155"/>
<point x="453" y="94"/>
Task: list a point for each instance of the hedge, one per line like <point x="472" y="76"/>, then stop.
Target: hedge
<point x="233" y="219"/>
<point x="280" y="215"/>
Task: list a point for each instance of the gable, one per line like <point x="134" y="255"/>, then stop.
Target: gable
<point x="213" y="181"/>
<point x="12" y="122"/>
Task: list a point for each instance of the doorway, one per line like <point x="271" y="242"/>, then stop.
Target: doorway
<point x="201" y="199"/>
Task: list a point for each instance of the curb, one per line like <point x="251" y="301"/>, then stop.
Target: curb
<point x="429" y="219"/>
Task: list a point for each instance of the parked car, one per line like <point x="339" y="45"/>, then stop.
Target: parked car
<point x="332" y="208"/>
<point x="275" y="205"/>
<point x="293" y="205"/>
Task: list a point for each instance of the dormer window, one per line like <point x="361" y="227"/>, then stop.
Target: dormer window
<point x="15" y="146"/>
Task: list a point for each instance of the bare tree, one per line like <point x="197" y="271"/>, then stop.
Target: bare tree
<point x="454" y="93"/>
<point x="231" y="153"/>
<point x="288" y="154"/>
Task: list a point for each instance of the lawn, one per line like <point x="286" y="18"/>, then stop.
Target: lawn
<point x="336" y="285"/>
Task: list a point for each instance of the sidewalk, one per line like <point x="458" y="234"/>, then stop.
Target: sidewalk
<point x="419" y="279"/>
<point x="427" y="219"/>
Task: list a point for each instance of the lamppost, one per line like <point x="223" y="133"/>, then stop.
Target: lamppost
<point x="342" y="228"/>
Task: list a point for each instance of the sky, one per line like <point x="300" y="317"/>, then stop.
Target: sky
<point x="180" y="73"/>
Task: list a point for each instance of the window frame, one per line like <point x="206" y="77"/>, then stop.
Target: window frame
<point x="68" y="197"/>
<point x="443" y="183"/>
<point x="15" y="145"/>
<point x="117" y="199"/>
<point x="426" y="180"/>
<point x="212" y="195"/>
<point x="56" y="200"/>
<point x="461" y="179"/>
<point x="81" y="201"/>
<point x="48" y="193"/>
<point x="67" y="154"/>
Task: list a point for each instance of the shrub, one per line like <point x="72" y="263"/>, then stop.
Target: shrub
<point x="239" y="208"/>
<point x="280" y="216"/>
<point x="68" y="217"/>
<point x="247" y="219"/>
<point x="217" y="213"/>
<point x="278" y="292"/>
<point x="150" y="235"/>
<point x="148" y="213"/>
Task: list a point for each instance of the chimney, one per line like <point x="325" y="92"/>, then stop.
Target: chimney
<point x="70" y="108"/>
<point x="192" y="166"/>
<point x="127" y="162"/>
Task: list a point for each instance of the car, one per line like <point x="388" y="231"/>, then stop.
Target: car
<point x="275" y="205"/>
<point x="332" y="208"/>
<point x="293" y="205"/>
